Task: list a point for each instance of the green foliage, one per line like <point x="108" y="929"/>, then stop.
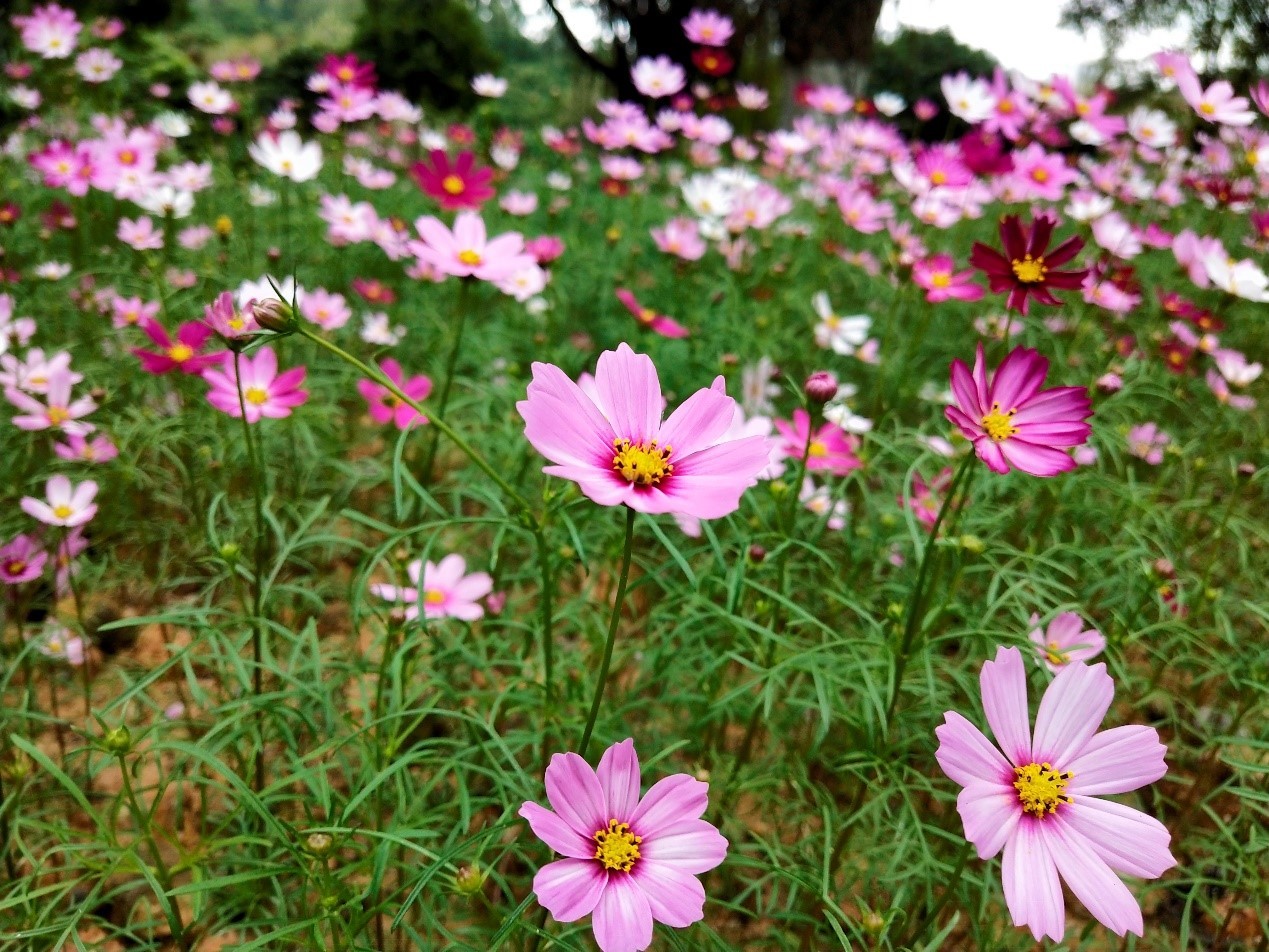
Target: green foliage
<point x="914" y="61"/>
<point x="429" y="50"/>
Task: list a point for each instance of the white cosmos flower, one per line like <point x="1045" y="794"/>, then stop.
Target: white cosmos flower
<point x="1241" y="278"/>
<point x="288" y="155"/>
<point x="840" y="334"/>
<point x="968" y="98"/>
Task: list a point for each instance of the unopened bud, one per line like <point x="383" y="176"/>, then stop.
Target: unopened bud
<point x="117" y="741"/>
<point x="469" y="880"/>
<point x="757" y="553"/>
<point x="319" y="844"/>
<point x="229" y="551"/>
<point x="874" y="923"/>
<point x="820" y="387"/>
<point x="971" y="543"/>
<point x="17" y="768"/>
<point x="272" y="314"/>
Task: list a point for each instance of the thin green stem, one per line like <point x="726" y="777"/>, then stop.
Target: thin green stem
<point x="613" y="622"/>
<point x="925" y="921"/>
<point x="546" y="607"/>
<point x="911" y="624"/>
<point x="171" y="908"/>
<point x="451" y="365"/>
<point x="379" y="377"/>
<point x="255" y="477"/>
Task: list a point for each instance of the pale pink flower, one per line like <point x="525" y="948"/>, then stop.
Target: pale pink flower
<point x="60" y="411"/>
<point x="444" y="591"/>
<point x="466" y="251"/>
<point x="64" y="503"/>
<point x="1066" y="640"/>
<point x="1146" y="441"/>
<point x="265" y="392"/>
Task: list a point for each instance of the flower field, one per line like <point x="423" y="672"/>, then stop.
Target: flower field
<point x="676" y="530"/>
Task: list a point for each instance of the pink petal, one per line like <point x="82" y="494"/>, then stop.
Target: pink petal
<point x="675" y="897"/>
<point x="630" y="393"/>
<point x="561" y="422"/>
<point x="1070" y="713"/>
<point x="1091" y="880"/>
<point x="988" y="451"/>
<point x="570" y="888"/>
<point x="1127" y="840"/>
<point x="622" y="919"/>
<point x="1004" y="689"/>
<point x="1030" y="879"/>
<point x="619" y="776"/>
<point x="989" y="812"/>
<point x="1033" y="459"/>
<point x="575" y="794"/>
<point x="670" y="800"/>
<point x="966" y="755"/>
<point x="693" y="846"/>
<point x="555" y="833"/>
<point x="698" y="423"/>
<point x="1116" y="761"/>
<point x="964" y="390"/>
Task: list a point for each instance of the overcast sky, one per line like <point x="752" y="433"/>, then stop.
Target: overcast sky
<point x="1021" y="34"/>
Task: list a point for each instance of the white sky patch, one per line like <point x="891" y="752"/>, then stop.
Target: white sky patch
<point x="1022" y="34"/>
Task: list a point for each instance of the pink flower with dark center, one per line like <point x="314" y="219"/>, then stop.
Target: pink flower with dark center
<point x="265" y="392"/>
<point x="1066" y="640"/>
<point x="387" y="407"/>
<point x="628" y="861"/>
<point x="831" y="449"/>
<point x="445" y="591"/>
<point x="21" y="560"/>
<point x="617" y="448"/>
<point x="467" y="252"/>
<point x="647" y="317"/>
<point x="1040" y="801"/>
<point x="180" y="353"/>
<point x="942" y="282"/>
<point x="1011" y="421"/>
<point x="64" y="503"/>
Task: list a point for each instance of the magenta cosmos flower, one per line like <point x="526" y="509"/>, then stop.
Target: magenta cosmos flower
<point x="387" y="407"/>
<point x="446" y="590"/>
<point x="616" y="447"/>
<point x="181" y="353"/>
<point x="21" y="560"/>
<point x="265" y="392"/>
<point x="1066" y="640"/>
<point x="467" y="252"/>
<point x="647" y="317"/>
<point x="831" y="449"/>
<point x="1011" y="421"/>
<point x="1040" y="800"/>
<point x="628" y="861"/>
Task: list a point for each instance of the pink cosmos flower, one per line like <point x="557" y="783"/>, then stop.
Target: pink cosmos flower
<point x="943" y="283"/>
<point x="681" y="237"/>
<point x="1220" y="389"/>
<point x="1041" y="800"/>
<point x="647" y="317"/>
<point x="131" y="311"/>
<point x="64" y="503"/>
<point x="327" y="309"/>
<point x="628" y="861"/>
<point x="446" y="590"/>
<point x="466" y="251"/>
<point x="1146" y="441"/>
<point x="181" y="353"/>
<point x="265" y="392"/>
<point x="385" y="406"/>
<point x="141" y="234"/>
<point x="708" y="27"/>
<point x="831" y="450"/>
<point x="72" y="545"/>
<point x="1011" y="421"/>
<point x="616" y="447"/>
<point x="926" y="498"/>
<point x="226" y="320"/>
<point x="21" y="560"/>
<point x="657" y="77"/>
<point x="1217" y="103"/>
<point x="76" y="448"/>
<point x="59" y="411"/>
<point x="50" y="30"/>
<point x="1066" y="640"/>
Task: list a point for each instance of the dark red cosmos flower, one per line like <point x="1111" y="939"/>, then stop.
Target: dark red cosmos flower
<point x="1025" y="269"/>
<point x="349" y="70"/>
<point x="9" y="213"/>
<point x="712" y="61"/>
<point x="374" y="291"/>
<point x="984" y="153"/>
<point x="460" y="185"/>
<point x="614" y="188"/>
<point x="1176" y="355"/>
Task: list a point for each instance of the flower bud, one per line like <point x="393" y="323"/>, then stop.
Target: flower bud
<point x="874" y="923"/>
<point x="229" y="552"/>
<point x="272" y="314"/>
<point x="319" y="844"/>
<point x="469" y="880"/>
<point x="757" y="553"/>
<point x="117" y="741"/>
<point x="820" y="387"/>
<point x="971" y="543"/>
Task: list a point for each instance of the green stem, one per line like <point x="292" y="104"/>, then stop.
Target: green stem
<point x="451" y="364"/>
<point x="924" y="922"/>
<point x="382" y="379"/>
<point x="255" y="476"/>
<point x="546" y="606"/>
<point x="613" y="623"/>
<point x="911" y="624"/>
<point x="171" y="908"/>
<point x="9" y="866"/>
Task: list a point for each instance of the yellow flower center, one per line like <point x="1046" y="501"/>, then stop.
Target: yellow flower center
<point x="643" y="464"/>
<point x="179" y="353"/>
<point x="999" y="426"/>
<point x="433" y="597"/>
<point x="938" y="177"/>
<point x="127" y="157"/>
<point x="940" y="279"/>
<point x="1040" y="789"/>
<point x="256" y="395"/>
<point x="469" y="257"/>
<point x="1029" y="270"/>
<point x="57" y="416"/>
<point x="647" y="315"/>
<point x="453" y="184"/>
<point x="817" y="448"/>
<point x="616" y="847"/>
<point x="1005" y="106"/>
<point x="1207" y="108"/>
<point x="1056" y="656"/>
<point x="1040" y="175"/>
<point x="63" y="511"/>
<point x="15" y="567"/>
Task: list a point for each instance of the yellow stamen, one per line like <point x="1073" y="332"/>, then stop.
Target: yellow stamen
<point x="179" y="353"/>
<point x="1207" y="108"/>
<point x="1040" y="175"/>
<point x="816" y="449"/>
<point x="616" y="847"/>
<point x="999" y="426"/>
<point x="16" y="567"/>
<point x="1056" y="656"/>
<point x="257" y="396"/>
<point x="1030" y="270"/>
<point x="643" y="464"/>
<point x="938" y="177"/>
<point x="63" y="511"/>
<point x="453" y="184"/>
<point x="433" y="597"/>
<point x="940" y="279"/>
<point x="647" y="315"/>
<point x="57" y="416"/>
<point x="469" y="257"/>
<point x="1040" y="789"/>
